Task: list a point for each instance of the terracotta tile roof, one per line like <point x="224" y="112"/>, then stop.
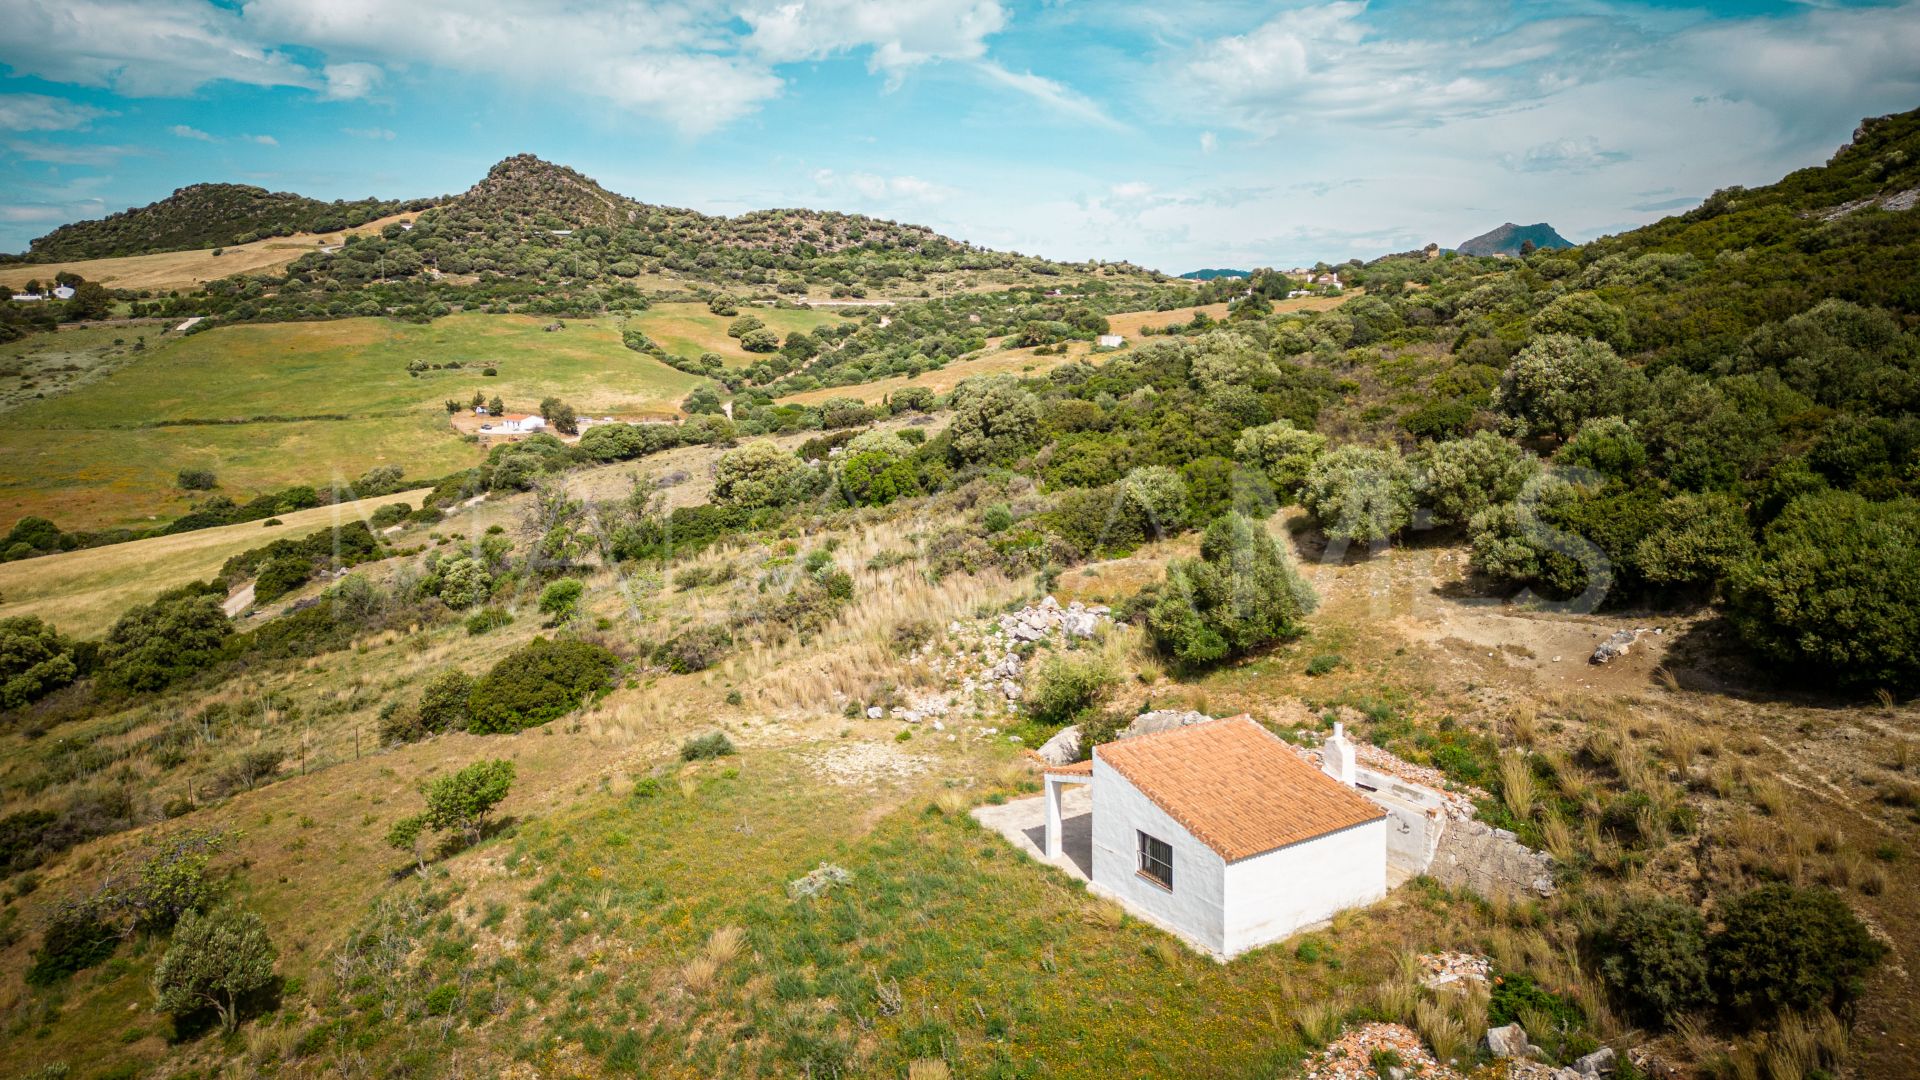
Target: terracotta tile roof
<point x="1236" y="787"/>
<point x="1078" y="768"/>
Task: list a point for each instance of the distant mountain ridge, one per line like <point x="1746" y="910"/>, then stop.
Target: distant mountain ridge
<point x="1509" y="238"/>
<point x="1211" y="274"/>
<point x="204" y="216"/>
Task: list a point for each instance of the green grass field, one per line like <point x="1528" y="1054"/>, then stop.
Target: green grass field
<point x="690" y="329"/>
<point x="106" y="453"/>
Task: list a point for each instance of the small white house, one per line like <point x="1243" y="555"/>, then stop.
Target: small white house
<point x="63" y="292"/>
<point x="515" y="424"/>
<point x="1221" y="834"/>
<point x="1110" y="341"/>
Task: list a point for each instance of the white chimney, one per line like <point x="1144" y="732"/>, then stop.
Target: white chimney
<point x="1336" y="755"/>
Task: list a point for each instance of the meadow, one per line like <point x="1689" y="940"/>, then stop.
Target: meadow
<point x="272" y="405"/>
<point x="83" y="592"/>
<point x="689" y="329"/>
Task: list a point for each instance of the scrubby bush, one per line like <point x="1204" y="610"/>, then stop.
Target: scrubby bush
<point x="1783" y="948"/>
<point x="1067" y="683"/>
<point x="1465" y="476"/>
<point x="157" y="644"/>
<point x="77" y="936"/>
<point x="994" y="420"/>
<point x="1280" y="452"/>
<point x="1653" y="957"/>
<point x="876" y="469"/>
<point x="1699" y="538"/>
<point x="34" y="661"/>
<point x="1155" y="497"/>
<point x="1241" y="594"/>
<point x="1608" y="445"/>
<point x="444" y="701"/>
<point x="1361" y="494"/>
<point x="559" y="599"/>
<point x="758" y="475"/>
<point x="1560" y="381"/>
<point x="464" y="581"/>
<point x="695" y="649"/>
<point x="713" y="744"/>
<point x="490" y="618"/>
<point x="538" y="682"/>
<point x="218" y="959"/>
<point x="197" y="480"/>
<point x="1835" y="589"/>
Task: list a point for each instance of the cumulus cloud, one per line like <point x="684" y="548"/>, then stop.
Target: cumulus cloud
<point x="185" y="132"/>
<point x="345" y="82"/>
<point x="38" y="112"/>
<point x="1564" y="155"/>
<point x="141" y="47"/>
<point x="377" y="134"/>
<point x="65" y="154"/>
<point x="263" y="140"/>
<point x="899" y="33"/>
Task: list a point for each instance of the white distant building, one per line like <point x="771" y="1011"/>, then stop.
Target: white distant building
<point x="63" y="292"/>
<point x="1110" y="341"/>
<point x="27" y="297"/>
<point x="1221" y="834"/>
<point x="514" y="424"/>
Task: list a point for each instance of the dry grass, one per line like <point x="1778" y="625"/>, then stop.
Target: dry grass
<point x="1318" y="1022"/>
<point x="1517" y="786"/>
<point x="928" y="1069"/>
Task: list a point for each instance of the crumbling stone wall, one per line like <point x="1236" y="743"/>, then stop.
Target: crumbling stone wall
<point x="1492" y="862"/>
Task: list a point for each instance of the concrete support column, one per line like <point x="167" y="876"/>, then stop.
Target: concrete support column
<point x="1054" y="789"/>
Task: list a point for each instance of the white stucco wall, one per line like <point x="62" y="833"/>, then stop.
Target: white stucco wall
<point x="1273" y="895"/>
<point x="1195" y="908"/>
<point x="1414" y="819"/>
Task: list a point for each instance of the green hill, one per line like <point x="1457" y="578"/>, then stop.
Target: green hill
<point x="204" y="216"/>
<point x="1511" y="239"/>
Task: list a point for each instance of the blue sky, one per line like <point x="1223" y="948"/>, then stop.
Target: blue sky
<point x="1174" y="135"/>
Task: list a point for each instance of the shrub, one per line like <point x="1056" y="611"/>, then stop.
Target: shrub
<point x="197" y="480"/>
<point x="488" y="618"/>
<point x="1242" y="593"/>
<point x="1699" y="538"/>
<point x="34" y="661"/>
<point x="1280" y="452"/>
<point x="1560" y="381"/>
<point x="461" y="802"/>
<point x="443" y="701"/>
<point x="994" y="420"/>
<point x="157" y="644"/>
<point x="537" y="682"/>
<point x="694" y="650"/>
<point x="1653" y="956"/>
<point x="1359" y="493"/>
<point x="713" y="744"/>
<point x="464" y="582"/>
<point x="76" y="938"/>
<point x="280" y="576"/>
<point x="1156" y="498"/>
<point x="1609" y="446"/>
<point x="559" y="599"/>
<point x="218" y="959"/>
<point x="760" y="474"/>
<point x="1784" y="948"/>
<point x="1323" y="664"/>
<point x="1835" y="589"/>
<point x="1066" y="683"/>
<point x="1465" y="476"/>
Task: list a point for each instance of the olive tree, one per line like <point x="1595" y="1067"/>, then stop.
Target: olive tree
<point x="1560" y="381"/>
<point x="760" y="474"/>
<point x="994" y="420"/>
<point x="215" y="959"/>
<point x="1465" y="476"/>
<point x="34" y="661"/>
<point x="1280" y="452"/>
<point x="1360" y="493"/>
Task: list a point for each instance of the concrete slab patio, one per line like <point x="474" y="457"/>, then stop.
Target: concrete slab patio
<point x="1024" y="823"/>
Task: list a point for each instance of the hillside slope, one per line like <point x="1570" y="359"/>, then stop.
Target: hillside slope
<point x="206" y="216"/>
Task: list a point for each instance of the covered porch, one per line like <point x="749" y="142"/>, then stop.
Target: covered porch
<point x="1055" y="826"/>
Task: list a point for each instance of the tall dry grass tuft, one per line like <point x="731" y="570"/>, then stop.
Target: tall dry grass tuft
<point x="1517" y="786"/>
<point x="1318" y="1021"/>
<point x="928" y="1069"/>
<point x="1443" y="1033"/>
<point x="725" y="945"/>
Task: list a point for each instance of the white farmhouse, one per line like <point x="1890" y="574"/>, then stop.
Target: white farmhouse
<point x="1222" y="835"/>
<point x="516" y="424"/>
<point x="63" y="292"/>
<point x="1110" y="341"/>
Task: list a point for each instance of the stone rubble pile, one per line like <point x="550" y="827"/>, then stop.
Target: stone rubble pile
<point x="985" y="658"/>
<point x="1350" y="1057"/>
<point x="1619" y="643"/>
<point x="1445" y="968"/>
<point x="1525" y="1060"/>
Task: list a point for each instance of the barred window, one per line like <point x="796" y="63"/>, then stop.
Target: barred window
<point x="1156" y="860"/>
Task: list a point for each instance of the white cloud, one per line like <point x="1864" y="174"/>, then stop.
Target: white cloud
<point x="141" y="47"/>
<point x="63" y="154"/>
<point x="1132" y="189"/>
<point x="1564" y="155"/>
<point x="377" y="134"/>
<point x="38" y="112"/>
<point x="346" y="82"/>
<point x="1056" y="96"/>
<point x="1209" y="142"/>
<point x="900" y="33"/>
<point x="894" y="189"/>
<point x="185" y="132"/>
<point x="263" y="140"/>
